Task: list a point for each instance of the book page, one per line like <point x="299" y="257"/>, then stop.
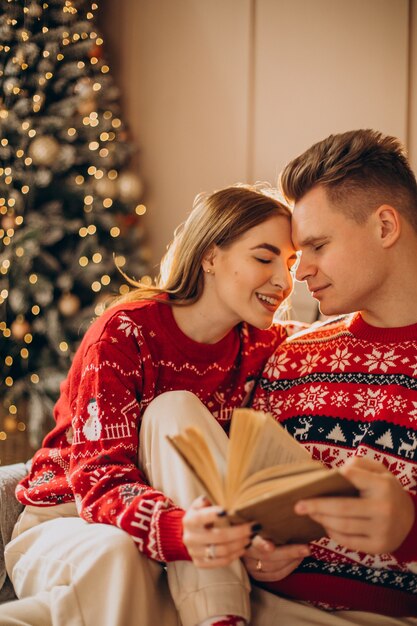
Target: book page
<point x="245" y="430"/>
<point x="193" y="449"/>
<point x="258" y="441"/>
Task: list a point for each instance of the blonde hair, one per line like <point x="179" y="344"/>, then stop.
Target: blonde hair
<point x="360" y="170"/>
<point x="217" y="219"/>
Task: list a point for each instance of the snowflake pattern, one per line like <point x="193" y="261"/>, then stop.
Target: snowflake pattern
<point x="413" y="413"/>
<point x="369" y="402"/>
<point x="309" y="363"/>
<point x="276" y="366"/>
<point x="414" y="368"/>
<point x="340" y="398"/>
<point x="382" y="361"/>
<point x="397" y="403"/>
<point x="340" y="359"/>
<point x="128" y="327"/>
<point x="312" y="398"/>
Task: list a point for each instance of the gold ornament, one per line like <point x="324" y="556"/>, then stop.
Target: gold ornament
<point x="34" y="10"/>
<point x="44" y="150"/>
<point x="130" y="187"/>
<point x="106" y="188"/>
<point x="9" y="423"/>
<point x="19" y="328"/>
<point x="68" y="304"/>
<point x="7" y="222"/>
<point x="85" y="107"/>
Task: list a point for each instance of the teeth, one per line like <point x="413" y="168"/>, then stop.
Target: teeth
<point x="267" y="299"/>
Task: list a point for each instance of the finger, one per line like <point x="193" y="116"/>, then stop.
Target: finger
<point x="361" y="462"/>
<point x="200" y="502"/>
<point x="222" y="556"/>
<point x="347" y="526"/>
<point x="262" y="544"/>
<point x="279" y="555"/>
<point x="341" y="507"/>
<point x="357" y="543"/>
<point x="201" y="516"/>
<point x="275" y="574"/>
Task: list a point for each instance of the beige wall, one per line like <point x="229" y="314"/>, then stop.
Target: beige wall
<point x="219" y="91"/>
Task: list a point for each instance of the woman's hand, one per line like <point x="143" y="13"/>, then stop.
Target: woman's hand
<point x="266" y="562"/>
<point x="209" y="542"/>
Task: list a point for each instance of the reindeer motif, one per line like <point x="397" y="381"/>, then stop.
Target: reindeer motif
<point x="363" y="428"/>
<point x="301" y="433"/>
<point x="408" y="447"/>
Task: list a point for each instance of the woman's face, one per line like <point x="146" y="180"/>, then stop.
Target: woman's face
<point x="250" y="279"/>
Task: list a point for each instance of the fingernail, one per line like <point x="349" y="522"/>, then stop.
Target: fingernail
<point x="300" y="507"/>
<point x="256" y="527"/>
<point x="221" y="513"/>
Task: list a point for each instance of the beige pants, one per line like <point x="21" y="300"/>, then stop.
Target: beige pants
<point x="68" y="572"/>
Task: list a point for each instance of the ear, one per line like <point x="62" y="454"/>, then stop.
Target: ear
<point x="389" y="225"/>
<point x="208" y="259"/>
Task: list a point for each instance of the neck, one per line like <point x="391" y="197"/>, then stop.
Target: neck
<point x="396" y="304"/>
<point x="199" y="322"/>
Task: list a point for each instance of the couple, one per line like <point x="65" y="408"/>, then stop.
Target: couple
<point x="107" y="502"/>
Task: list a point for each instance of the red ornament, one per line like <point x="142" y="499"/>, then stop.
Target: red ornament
<point x="95" y="51"/>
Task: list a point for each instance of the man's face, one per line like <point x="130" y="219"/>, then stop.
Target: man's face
<point x="341" y="260"/>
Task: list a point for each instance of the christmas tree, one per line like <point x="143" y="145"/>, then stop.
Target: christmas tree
<point x="69" y="207"/>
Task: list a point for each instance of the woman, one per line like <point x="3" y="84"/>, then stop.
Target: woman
<point x="206" y="328"/>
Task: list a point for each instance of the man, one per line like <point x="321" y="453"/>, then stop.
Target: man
<point x="347" y="388"/>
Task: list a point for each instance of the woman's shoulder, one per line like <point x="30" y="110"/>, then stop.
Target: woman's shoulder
<point x="124" y="319"/>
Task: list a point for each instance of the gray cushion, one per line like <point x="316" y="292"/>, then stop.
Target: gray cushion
<point x="10" y="509"/>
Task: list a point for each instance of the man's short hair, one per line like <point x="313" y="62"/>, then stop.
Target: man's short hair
<point x="360" y="170"/>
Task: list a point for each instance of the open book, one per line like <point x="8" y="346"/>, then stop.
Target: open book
<point x="267" y="471"/>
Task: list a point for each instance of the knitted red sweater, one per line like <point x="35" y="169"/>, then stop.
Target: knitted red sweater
<point x="343" y="389"/>
<point x="130" y="355"/>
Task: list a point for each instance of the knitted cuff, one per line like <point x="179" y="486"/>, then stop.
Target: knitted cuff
<point x="170" y="535"/>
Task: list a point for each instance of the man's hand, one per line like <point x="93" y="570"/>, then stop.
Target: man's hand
<point x="266" y="562"/>
<point x="377" y="522"/>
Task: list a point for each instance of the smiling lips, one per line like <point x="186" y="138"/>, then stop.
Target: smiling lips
<point x="269" y="302"/>
<point x="315" y="291"/>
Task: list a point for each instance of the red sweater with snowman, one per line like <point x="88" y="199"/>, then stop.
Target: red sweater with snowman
<point x="130" y="355"/>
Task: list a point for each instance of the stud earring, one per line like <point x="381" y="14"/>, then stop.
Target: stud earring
<point x="208" y="271"/>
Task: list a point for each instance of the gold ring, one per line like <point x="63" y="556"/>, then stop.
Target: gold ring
<point x="210" y="552"/>
<point x="258" y="565"/>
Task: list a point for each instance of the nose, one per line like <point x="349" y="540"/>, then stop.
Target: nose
<point x="305" y="268"/>
<point x="283" y="280"/>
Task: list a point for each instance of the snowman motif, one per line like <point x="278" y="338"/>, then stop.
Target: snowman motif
<point x="92" y="427"/>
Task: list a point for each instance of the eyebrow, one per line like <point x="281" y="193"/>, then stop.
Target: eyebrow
<point x="268" y="246"/>
<point x="308" y="241"/>
<point x="273" y="249"/>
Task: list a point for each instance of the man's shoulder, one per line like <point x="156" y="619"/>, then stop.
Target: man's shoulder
<point x="323" y="329"/>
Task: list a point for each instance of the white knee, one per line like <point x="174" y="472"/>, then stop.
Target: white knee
<point x="173" y="411"/>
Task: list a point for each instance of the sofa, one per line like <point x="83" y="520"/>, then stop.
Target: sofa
<point x="10" y="509"/>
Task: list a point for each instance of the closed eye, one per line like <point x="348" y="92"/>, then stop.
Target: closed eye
<point x="265" y="261"/>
